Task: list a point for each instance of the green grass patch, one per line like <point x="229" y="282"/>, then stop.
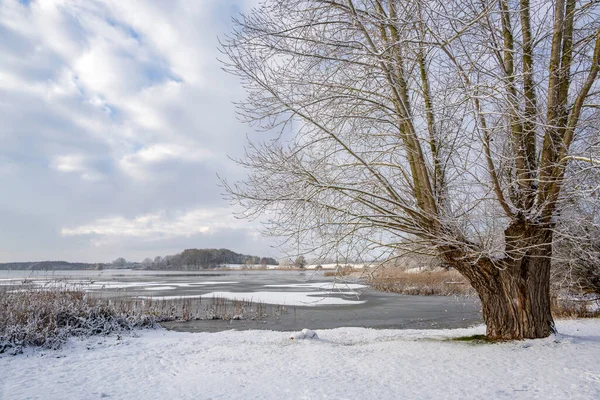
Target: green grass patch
<point x="472" y="339"/>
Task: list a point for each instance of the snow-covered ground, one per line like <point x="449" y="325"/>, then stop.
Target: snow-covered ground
<point x="344" y="363"/>
<point x="329" y="266"/>
<point x="334" y="266"/>
<point x="322" y="285"/>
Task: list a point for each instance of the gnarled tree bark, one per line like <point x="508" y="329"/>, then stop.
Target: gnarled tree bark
<point x="514" y="292"/>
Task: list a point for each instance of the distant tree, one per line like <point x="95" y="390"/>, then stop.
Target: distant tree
<point x="172" y="261"/>
<point x="300" y="262"/>
<point x="286" y="262"/>
<point x="268" y="261"/>
<point x="191" y="258"/>
<point x="119" y="263"/>
<point x="252" y="260"/>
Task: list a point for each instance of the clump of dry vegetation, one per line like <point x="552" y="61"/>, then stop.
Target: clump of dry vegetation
<point x="452" y="283"/>
<point x="237" y="309"/>
<point x="341" y="271"/>
<point x="47" y="317"/>
<point x="575" y="308"/>
<point x="429" y="283"/>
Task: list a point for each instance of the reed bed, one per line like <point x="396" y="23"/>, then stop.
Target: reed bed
<point x="47" y="316"/>
<point x="575" y="306"/>
<point x="450" y="283"/>
<point x="341" y="271"/>
<point x="427" y="283"/>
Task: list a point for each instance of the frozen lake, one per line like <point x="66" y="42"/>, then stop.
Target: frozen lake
<point x="313" y="300"/>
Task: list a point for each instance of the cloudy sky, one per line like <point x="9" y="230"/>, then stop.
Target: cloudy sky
<point x="115" y="118"/>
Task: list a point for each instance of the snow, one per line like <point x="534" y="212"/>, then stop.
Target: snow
<point x="322" y="285"/>
<point x="88" y="285"/>
<point x="415" y="270"/>
<point x="308" y="299"/>
<point x="188" y="296"/>
<point x="160" y="288"/>
<point x="345" y="363"/>
<point x="10" y="281"/>
<point x="286" y="298"/>
<point x="195" y="284"/>
<point x="304" y="334"/>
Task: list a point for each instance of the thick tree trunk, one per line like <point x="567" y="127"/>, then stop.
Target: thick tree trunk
<point x="517" y="306"/>
<point x="515" y="292"/>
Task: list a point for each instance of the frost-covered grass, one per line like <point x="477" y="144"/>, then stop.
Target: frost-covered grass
<point x="343" y="363"/>
<point x="47" y="316"/>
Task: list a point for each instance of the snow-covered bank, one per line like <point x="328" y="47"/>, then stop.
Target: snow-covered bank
<point x="344" y="363"/>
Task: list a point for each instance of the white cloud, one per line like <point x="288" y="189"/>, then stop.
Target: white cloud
<point x="76" y="163"/>
<point x="69" y="163"/>
<point x="159" y="225"/>
<point x="138" y="164"/>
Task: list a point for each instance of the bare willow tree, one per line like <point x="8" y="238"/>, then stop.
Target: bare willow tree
<point x="451" y="124"/>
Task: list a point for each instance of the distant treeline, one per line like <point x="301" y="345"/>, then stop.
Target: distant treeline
<point x="50" y="265"/>
<point x="205" y="258"/>
<point x="189" y="259"/>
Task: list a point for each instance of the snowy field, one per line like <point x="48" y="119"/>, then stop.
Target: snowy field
<point x="344" y="363"/>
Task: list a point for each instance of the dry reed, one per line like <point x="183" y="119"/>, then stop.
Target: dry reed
<point x="48" y="316"/>
<point x="428" y="283"/>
